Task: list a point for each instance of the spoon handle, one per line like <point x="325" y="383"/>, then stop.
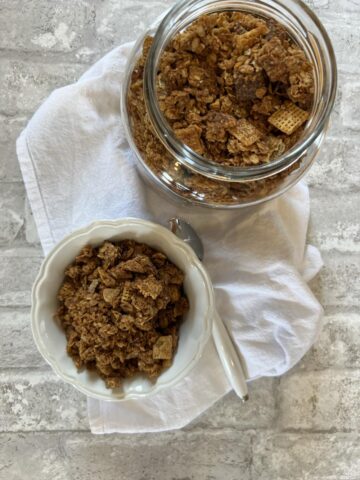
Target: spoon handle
<point x="229" y="358"/>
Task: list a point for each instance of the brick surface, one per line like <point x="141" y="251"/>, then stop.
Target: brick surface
<point x="344" y="7"/>
<point x="17" y="348"/>
<point x="259" y="412"/>
<point x="39" y="400"/>
<point x="12" y="199"/>
<point x="115" y="20"/>
<point x="26" y="84"/>
<point x="325" y="8"/>
<point x="350" y="106"/>
<point x="32" y="456"/>
<point x="336" y="168"/>
<point x="10" y="128"/>
<point x="306" y="457"/>
<point x="175" y="456"/>
<point x="337" y="284"/>
<point x="320" y="400"/>
<point x="338" y="345"/>
<point x="80" y="456"/>
<point x="19" y="268"/>
<point x="346" y="38"/>
<point x="48" y="26"/>
<point x="330" y="228"/>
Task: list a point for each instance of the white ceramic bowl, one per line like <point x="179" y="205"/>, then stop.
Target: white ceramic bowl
<point x="194" y="332"/>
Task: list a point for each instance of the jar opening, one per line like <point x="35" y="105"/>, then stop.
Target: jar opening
<point x="306" y="30"/>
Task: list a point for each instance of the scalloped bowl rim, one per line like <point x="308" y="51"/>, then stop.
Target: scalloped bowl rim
<point x="44" y="272"/>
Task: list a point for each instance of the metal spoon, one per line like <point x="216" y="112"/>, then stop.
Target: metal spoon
<point x="228" y="355"/>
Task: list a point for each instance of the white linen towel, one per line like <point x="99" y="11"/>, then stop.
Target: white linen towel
<point x="77" y="167"/>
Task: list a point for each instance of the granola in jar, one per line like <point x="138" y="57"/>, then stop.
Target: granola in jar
<point x="222" y="111"/>
<point x="235" y="88"/>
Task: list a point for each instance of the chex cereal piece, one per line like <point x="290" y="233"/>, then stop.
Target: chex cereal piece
<point x="289" y="118"/>
<point x="149" y="286"/>
<point x="246" y="132"/>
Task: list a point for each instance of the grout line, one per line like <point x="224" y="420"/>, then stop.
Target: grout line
<point x="40" y="432"/>
<point x="46" y="57"/>
<point x="12" y="182"/>
<point x="183" y="432"/>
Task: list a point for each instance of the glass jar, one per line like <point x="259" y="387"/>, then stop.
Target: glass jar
<point x="186" y="175"/>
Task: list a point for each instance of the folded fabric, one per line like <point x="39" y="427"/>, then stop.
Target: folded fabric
<point x="77" y="167"/>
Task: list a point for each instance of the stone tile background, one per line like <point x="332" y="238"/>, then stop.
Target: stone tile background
<point x="305" y="425"/>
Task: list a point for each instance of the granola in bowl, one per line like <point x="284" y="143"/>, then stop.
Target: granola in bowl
<point x="121" y="306"/>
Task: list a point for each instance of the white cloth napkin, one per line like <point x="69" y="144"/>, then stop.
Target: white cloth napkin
<point x="77" y="167"/>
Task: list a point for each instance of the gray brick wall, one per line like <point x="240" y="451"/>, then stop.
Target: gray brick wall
<point x="302" y="426"/>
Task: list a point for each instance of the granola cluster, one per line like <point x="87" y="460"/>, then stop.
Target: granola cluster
<point x="237" y="90"/>
<point x="121" y="306"/>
